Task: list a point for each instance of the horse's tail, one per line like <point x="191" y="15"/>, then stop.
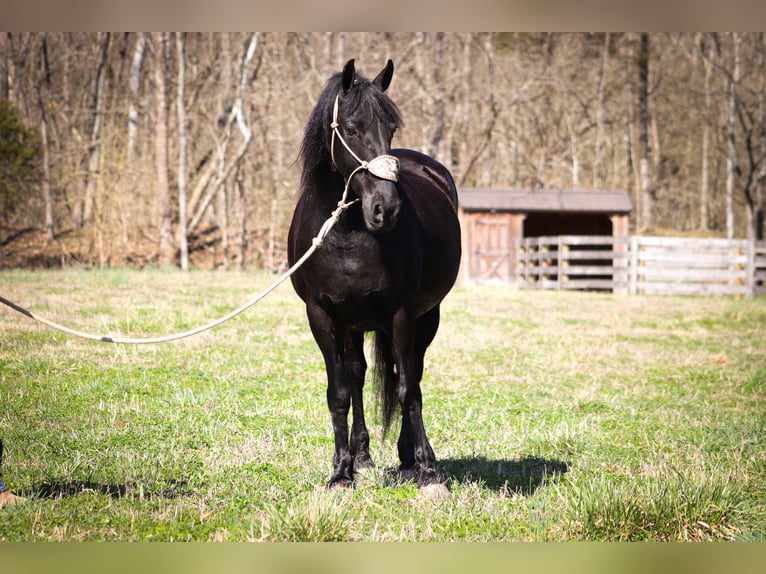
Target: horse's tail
<point x="385" y="378"/>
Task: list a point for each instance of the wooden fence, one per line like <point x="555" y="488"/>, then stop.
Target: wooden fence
<point x="644" y="265"/>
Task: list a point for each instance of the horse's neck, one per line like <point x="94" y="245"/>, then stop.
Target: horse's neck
<point x="326" y="186"/>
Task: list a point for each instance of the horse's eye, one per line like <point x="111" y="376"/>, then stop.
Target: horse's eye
<point x="350" y="132"/>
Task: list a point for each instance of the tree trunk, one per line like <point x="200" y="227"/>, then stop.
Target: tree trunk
<point x="44" y="143"/>
<point x="181" y="108"/>
<point x="600" y="113"/>
<point x="95" y="144"/>
<point x="46" y="183"/>
<point x="760" y="210"/>
<point x="437" y="144"/>
<point x="705" y="176"/>
<point x="241" y="220"/>
<point x="166" y="251"/>
<point x="135" y="93"/>
<point x="647" y="199"/>
<point x="731" y="148"/>
<point x="5" y="55"/>
<point x="632" y="179"/>
<point x="574" y="146"/>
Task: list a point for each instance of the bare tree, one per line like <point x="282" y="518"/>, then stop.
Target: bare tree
<point x="224" y="164"/>
<point x="760" y="203"/>
<point x="705" y="170"/>
<point x="500" y="109"/>
<point x="5" y="56"/>
<point x="600" y="113"/>
<point x="166" y="250"/>
<point x="731" y="137"/>
<point x="181" y="110"/>
<point x="647" y="196"/>
<point x="46" y="180"/>
<point x="750" y="114"/>
<point x="135" y="93"/>
<point x="91" y="158"/>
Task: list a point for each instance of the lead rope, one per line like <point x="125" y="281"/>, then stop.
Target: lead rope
<point x="316" y="243"/>
<point x="383" y="166"/>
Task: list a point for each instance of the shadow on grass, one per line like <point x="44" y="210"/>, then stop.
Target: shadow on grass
<point x="160" y="489"/>
<point x="521" y="476"/>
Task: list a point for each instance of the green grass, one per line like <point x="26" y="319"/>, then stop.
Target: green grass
<point x="554" y="416"/>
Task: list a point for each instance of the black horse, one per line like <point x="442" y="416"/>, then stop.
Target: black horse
<point x="385" y="266"/>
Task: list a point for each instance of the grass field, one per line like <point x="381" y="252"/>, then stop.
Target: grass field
<point x="554" y="416"/>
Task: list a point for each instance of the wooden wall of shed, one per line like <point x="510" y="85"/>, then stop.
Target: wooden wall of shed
<point x="490" y="245"/>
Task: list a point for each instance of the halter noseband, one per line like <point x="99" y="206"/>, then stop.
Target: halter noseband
<point x="383" y="166"/>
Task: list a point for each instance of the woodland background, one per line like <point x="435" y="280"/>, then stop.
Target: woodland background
<point x="179" y="149"/>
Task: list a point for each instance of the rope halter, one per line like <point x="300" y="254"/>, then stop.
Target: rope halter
<point x="383" y="166"/>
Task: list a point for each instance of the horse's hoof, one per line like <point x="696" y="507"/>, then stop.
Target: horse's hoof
<point x="340" y="484"/>
<point x="434" y="491"/>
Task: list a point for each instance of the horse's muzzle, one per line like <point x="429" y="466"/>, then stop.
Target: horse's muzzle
<point x="381" y="210"/>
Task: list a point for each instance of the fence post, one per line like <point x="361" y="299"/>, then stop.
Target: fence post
<point x="620" y="264"/>
<point x="523" y="271"/>
<point x="562" y="262"/>
<point x="633" y="265"/>
<point x="750" y="277"/>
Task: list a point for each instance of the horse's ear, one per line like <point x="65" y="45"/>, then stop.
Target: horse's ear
<point x="383" y="79"/>
<point x="348" y="75"/>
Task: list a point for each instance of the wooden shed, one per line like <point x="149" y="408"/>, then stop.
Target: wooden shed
<point x="495" y="221"/>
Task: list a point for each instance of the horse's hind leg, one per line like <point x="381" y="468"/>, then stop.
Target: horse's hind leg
<point x="415" y="452"/>
<point x="356" y="366"/>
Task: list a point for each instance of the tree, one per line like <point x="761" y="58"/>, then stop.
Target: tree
<point x="600" y="114"/>
<point x="45" y="146"/>
<point x="647" y="195"/>
<point x="760" y="203"/>
<point x="91" y="158"/>
<point x="705" y="178"/>
<point x="181" y="109"/>
<point x="166" y="248"/>
<point x="135" y="93"/>
<point x="731" y="134"/>
<point x="130" y="120"/>
<point x="19" y="161"/>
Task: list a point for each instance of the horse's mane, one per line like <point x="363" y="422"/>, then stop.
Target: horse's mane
<point x="315" y="148"/>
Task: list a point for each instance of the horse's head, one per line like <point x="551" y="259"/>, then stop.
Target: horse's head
<point x="363" y="124"/>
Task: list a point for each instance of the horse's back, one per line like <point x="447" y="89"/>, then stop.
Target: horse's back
<point x="421" y="171"/>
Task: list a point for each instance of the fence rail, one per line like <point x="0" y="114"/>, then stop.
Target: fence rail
<point x="644" y="265"/>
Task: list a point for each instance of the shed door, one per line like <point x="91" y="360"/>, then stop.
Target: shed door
<point x="493" y="258"/>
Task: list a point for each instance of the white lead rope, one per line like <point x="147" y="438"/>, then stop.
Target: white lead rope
<point x="315" y="244"/>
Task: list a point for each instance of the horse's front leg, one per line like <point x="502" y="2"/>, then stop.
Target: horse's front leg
<point x="356" y="367"/>
<point x="338" y="392"/>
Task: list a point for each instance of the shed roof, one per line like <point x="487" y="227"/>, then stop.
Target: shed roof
<point x="545" y="200"/>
